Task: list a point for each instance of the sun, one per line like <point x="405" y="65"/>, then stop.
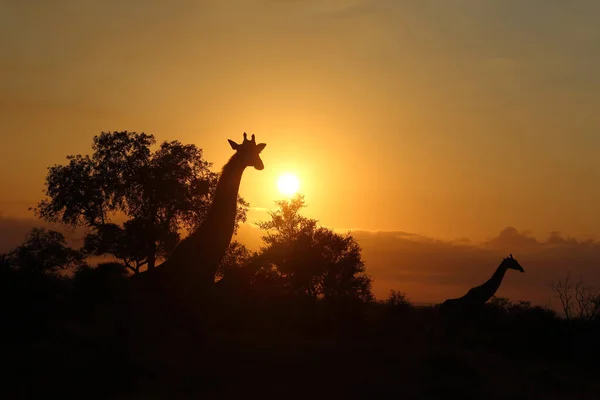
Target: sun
<point x="288" y="184"/>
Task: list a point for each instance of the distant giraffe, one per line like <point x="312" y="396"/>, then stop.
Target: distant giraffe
<point x="472" y="302"/>
<point x="195" y="260"/>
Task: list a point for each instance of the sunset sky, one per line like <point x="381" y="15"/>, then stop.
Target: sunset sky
<point x="449" y="119"/>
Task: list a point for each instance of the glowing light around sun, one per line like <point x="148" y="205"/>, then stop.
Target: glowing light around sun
<point x="288" y="184"/>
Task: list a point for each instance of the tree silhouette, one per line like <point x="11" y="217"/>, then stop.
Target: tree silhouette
<point x="44" y="252"/>
<point x="156" y="193"/>
<point x="313" y="260"/>
<point x="578" y="301"/>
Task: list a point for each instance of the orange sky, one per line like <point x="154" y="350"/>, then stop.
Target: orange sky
<point x="445" y="118"/>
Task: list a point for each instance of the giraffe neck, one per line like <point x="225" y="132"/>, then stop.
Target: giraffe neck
<point x="477" y="296"/>
<point x="204" y="248"/>
<point x="492" y="285"/>
<point x="224" y="206"/>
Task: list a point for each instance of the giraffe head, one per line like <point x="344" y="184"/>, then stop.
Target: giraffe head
<point x="510" y="263"/>
<point x="248" y="152"/>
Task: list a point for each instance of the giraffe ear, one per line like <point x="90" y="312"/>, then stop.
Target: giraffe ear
<point x="261" y="146"/>
<point x="511" y="256"/>
<point x="233" y="144"/>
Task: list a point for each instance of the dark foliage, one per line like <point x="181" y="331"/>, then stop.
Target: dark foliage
<point x="311" y="260"/>
<point x="43" y="252"/>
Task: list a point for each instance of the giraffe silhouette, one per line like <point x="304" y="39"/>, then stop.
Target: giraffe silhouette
<point x="195" y="260"/>
<point x="467" y="306"/>
<point x="180" y="295"/>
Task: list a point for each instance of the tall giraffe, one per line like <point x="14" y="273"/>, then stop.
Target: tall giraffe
<point x="170" y="298"/>
<point x="476" y="297"/>
<point x="196" y="258"/>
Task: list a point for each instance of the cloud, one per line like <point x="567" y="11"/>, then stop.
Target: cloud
<point x="511" y="239"/>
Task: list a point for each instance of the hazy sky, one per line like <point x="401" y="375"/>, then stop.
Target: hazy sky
<point x="445" y="118"/>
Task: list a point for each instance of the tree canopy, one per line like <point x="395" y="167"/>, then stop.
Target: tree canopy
<point x="313" y="260"/>
<point x="43" y="252"/>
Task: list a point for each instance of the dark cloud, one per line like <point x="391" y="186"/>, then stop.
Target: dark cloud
<point x="511" y="238"/>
